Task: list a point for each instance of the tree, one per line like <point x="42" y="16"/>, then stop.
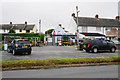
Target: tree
<point x="49" y="31"/>
<point x="11" y="31"/>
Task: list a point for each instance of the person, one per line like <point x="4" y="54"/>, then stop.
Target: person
<point x="45" y="42"/>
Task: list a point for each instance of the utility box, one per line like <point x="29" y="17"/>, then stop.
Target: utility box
<point x="50" y="42"/>
<point x="5" y="47"/>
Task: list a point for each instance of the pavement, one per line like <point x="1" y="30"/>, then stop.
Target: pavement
<point x="110" y="71"/>
<point x="54" y="52"/>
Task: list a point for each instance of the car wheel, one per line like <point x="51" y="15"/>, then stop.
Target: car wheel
<point x="29" y="52"/>
<point x="14" y="53"/>
<point x="112" y="49"/>
<point x="95" y="50"/>
<point x="8" y="50"/>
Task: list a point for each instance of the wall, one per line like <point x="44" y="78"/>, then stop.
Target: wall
<point x="72" y="27"/>
<point x="2" y="31"/>
<point x="92" y="30"/>
<point x="34" y="29"/>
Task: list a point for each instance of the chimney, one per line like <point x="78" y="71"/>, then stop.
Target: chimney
<point x="117" y="17"/>
<point x="73" y="15"/>
<point x="26" y="22"/>
<point x="10" y="22"/>
<point x="60" y="25"/>
<point x="96" y="16"/>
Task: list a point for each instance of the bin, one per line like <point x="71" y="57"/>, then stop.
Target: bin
<point x="5" y="46"/>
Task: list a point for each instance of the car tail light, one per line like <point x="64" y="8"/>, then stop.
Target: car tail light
<point x="30" y="44"/>
<point x="16" y="45"/>
<point x="16" y="49"/>
<point x="88" y="45"/>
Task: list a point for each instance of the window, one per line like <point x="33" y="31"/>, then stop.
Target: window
<point x="107" y="29"/>
<point x="84" y="29"/>
<point x="20" y="30"/>
<point x="13" y="41"/>
<point x="104" y="42"/>
<point x="98" y="28"/>
<point x="27" y="31"/>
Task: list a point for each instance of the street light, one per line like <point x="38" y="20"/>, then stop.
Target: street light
<point x="77" y="18"/>
<point x="77" y="22"/>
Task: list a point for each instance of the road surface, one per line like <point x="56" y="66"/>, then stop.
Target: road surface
<point x="71" y="72"/>
<point x="54" y="52"/>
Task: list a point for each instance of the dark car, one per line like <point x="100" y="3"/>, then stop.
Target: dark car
<point x="98" y="45"/>
<point x="19" y="46"/>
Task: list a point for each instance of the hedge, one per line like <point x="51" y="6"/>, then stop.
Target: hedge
<point x="22" y="35"/>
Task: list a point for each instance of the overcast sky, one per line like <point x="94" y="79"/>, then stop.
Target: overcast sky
<point x="54" y="12"/>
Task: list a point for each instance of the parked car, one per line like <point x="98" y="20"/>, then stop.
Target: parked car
<point x="98" y="45"/>
<point x="19" y="46"/>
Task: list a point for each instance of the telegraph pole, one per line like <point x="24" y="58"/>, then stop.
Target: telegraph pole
<point x="39" y="26"/>
<point x="77" y="23"/>
<point x="77" y="18"/>
<point x="39" y="31"/>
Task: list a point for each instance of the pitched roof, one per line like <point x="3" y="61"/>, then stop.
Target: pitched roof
<point x="97" y="22"/>
<point x="17" y="26"/>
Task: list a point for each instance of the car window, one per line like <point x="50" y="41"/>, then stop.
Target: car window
<point x="12" y="41"/>
<point x="115" y="41"/>
<point x="104" y="42"/>
<point x="22" y="42"/>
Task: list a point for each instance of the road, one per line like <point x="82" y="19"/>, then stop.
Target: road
<point x="54" y="52"/>
<point x="72" y="72"/>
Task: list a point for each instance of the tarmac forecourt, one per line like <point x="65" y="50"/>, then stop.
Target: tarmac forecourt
<point x="59" y="63"/>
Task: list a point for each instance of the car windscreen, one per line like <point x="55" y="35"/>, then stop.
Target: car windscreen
<point x="22" y="42"/>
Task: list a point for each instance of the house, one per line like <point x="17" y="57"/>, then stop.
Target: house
<point x="19" y="28"/>
<point x="112" y="33"/>
<point x="96" y="26"/>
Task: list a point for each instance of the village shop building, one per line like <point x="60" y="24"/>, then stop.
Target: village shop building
<point x="60" y="37"/>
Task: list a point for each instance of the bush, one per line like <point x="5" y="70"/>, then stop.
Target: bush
<point x="23" y="35"/>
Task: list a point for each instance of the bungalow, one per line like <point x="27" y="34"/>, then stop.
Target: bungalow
<point x="95" y="27"/>
<point x="19" y="28"/>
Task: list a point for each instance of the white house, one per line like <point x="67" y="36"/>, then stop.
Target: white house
<point x="59" y="29"/>
<point x="19" y="28"/>
<point x="92" y="27"/>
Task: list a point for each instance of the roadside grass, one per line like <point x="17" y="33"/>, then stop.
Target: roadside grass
<point x="57" y="61"/>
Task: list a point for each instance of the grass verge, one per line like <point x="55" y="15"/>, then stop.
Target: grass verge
<point x="55" y="62"/>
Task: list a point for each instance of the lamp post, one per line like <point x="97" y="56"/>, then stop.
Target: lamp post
<point x="77" y="18"/>
<point x="77" y="22"/>
<point x="39" y="31"/>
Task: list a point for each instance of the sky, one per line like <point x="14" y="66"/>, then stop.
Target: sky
<point x="54" y="12"/>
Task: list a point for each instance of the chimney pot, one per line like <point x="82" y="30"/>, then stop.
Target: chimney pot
<point x="25" y="22"/>
<point x="60" y="25"/>
<point x="10" y="22"/>
<point x="73" y="15"/>
<point x="117" y="17"/>
<point x="96" y="16"/>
